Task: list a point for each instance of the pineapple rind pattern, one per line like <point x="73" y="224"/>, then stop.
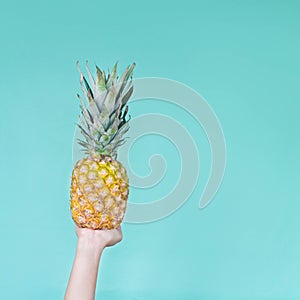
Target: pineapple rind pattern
<point x="99" y="192"/>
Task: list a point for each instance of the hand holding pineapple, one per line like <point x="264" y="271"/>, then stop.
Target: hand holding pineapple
<point x="100" y="187"/>
<point x="99" y="238"/>
<point x="83" y="278"/>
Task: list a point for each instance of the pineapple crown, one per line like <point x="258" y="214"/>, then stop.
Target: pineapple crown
<point x="103" y="122"/>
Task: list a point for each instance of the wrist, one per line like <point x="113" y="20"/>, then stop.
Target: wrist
<point x="90" y="245"/>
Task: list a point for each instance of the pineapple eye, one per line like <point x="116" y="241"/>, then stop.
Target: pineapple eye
<point x="92" y="197"/>
<point x="93" y="225"/>
<point x="103" y="172"/>
<point x="92" y="175"/>
<point x="87" y="213"/>
<point x="103" y="192"/>
<point x="109" y="179"/>
<point x="81" y="219"/>
<point x="99" y="206"/>
<point x="98" y="183"/>
<point x="108" y="202"/>
<point x="82" y="179"/>
<point x="122" y="204"/>
<point x="88" y="188"/>
<point x="119" y="198"/>
<point x="124" y="184"/>
<point x="116" y="211"/>
<point x="113" y="167"/>
<point x="115" y="188"/>
<point x="84" y="169"/>
<point x="94" y="166"/>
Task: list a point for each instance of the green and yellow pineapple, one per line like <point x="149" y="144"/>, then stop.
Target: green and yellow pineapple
<point x="99" y="188"/>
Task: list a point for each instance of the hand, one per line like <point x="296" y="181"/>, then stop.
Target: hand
<point x="102" y="238"/>
<point x="83" y="278"/>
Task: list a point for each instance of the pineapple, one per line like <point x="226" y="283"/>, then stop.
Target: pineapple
<point x="100" y="187"/>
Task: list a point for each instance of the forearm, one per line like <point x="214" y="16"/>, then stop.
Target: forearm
<point x="83" y="278"/>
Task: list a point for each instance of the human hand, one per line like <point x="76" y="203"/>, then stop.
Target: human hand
<point x="82" y="282"/>
<point x="102" y="238"/>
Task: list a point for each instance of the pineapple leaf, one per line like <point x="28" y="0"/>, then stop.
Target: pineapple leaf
<point x="101" y="79"/>
<point x="103" y="122"/>
<point x="109" y="101"/>
<point x="112" y="77"/>
<point x="89" y="90"/>
<point x="124" y="78"/>
<point x="88" y="138"/>
<point x="92" y="80"/>
<point x="127" y="96"/>
<point x="123" y="117"/>
<point x="84" y="144"/>
<point x="85" y="112"/>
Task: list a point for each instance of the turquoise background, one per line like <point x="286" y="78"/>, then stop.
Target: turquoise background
<point x="243" y="57"/>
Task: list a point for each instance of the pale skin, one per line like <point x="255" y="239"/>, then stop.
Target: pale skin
<point x="90" y="245"/>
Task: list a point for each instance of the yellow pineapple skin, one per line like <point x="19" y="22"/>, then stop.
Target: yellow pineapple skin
<point x="99" y="192"/>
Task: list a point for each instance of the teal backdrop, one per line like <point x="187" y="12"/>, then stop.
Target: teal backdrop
<point x="243" y="58"/>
